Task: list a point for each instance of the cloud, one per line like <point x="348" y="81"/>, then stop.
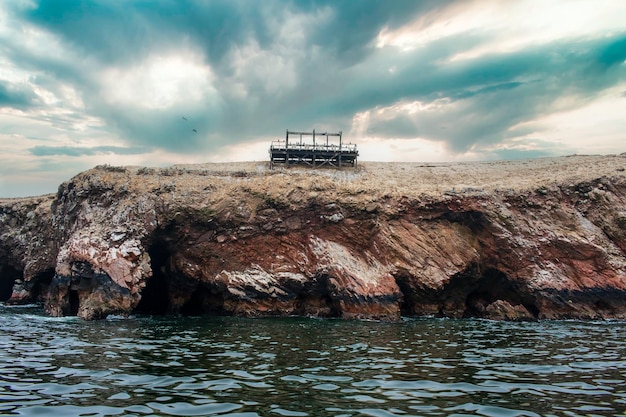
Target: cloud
<point x="482" y="101"/>
<point x="266" y="58"/>
<point x="614" y="53"/>
<point x="16" y="95"/>
<point x="82" y="151"/>
<point x="470" y="77"/>
<point x="246" y="72"/>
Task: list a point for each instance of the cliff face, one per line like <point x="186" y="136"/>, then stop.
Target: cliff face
<point x="369" y="244"/>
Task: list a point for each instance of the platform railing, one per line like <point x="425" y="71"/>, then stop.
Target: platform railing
<point x="279" y="145"/>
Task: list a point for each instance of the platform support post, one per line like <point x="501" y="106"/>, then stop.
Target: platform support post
<point x="287" y="148"/>
<point x="313" y="147"/>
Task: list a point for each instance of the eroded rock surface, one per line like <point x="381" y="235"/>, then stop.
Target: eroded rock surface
<point x="202" y="240"/>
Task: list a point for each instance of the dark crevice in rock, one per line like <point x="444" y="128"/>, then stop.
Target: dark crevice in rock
<point x="169" y="291"/>
<point x="154" y="297"/>
<point x="477" y="291"/>
<point x="416" y="299"/>
<point x="314" y="299"/>
<point x="73" y="303"/>
<point x="532" y="308"/>
<point x="63" y="298"/>
<point x="490" y="293"/>
<point x="474" y="220"/>
<point x="592" y="303"/>
<point x="488" y="287"/>
<point x="8" y="277"/>
<point x="39" y="285"/>
<point x="204" y="300"/>
<point x="410" y="298"/>
<point x="608" y="301"/>
<point x="604" y="305"/>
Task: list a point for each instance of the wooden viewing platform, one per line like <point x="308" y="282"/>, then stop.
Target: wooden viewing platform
<point x="314" y="154"/>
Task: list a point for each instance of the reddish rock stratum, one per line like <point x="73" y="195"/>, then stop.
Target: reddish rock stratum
<point x="517" y="240"/>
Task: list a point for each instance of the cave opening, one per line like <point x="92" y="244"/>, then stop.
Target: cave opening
<point x="204" y="301"/>
<point x="492" y="285"/>
<point x="8" y="276"/>
<point x="484" y="292"/>
<point x="170" y="292"/>
<point x="40" y="284"/>
<point x="73" y="304"/>
<point x="154" y="296"/>
<point x="409" y="294"/>
<point x="315" y="299"/>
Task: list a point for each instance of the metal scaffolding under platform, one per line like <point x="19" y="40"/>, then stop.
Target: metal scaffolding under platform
<point x="316" y="154"/>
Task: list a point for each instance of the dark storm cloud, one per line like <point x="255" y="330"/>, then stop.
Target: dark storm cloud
<point x="116" y="31"/>
<point x="486" y="97"/>
<point x="349" y="34"/>
<point x="335" y="71"/>
<point x="124" y="30"/>
<point x="123" y="33"/>
<point x="613" y="54"/>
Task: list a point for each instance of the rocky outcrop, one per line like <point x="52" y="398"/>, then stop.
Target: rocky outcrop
<point x="197" y="240"/>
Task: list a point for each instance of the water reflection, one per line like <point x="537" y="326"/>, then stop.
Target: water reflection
<point x="228" y="366"/>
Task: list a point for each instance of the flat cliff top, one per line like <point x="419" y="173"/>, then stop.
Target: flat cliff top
<point x="370" y="180"/>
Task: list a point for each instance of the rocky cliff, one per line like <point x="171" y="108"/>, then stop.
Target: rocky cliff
<point x="505" y="240"/>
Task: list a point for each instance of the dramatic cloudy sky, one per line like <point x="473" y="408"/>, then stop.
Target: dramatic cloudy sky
<point x="94" y="82"/>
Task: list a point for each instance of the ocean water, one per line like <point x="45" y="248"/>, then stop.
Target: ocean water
<point x="227" y="366"/>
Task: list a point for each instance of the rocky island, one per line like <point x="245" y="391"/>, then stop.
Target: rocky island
<point x="515" y="240"/>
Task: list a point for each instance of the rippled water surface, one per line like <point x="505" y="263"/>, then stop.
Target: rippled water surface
<point x="228" y="366"/>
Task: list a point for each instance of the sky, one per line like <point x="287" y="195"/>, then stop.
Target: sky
<point x="162" y="82"/>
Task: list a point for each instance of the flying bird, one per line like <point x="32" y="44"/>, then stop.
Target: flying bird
<point x="195" y="130"/>
<point x="184" y="118"/>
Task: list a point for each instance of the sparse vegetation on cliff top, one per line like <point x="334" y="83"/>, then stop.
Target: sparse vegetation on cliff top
<point x="369" y="179"/>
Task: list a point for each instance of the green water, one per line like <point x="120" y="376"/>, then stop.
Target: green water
<point x="225" y="366"/>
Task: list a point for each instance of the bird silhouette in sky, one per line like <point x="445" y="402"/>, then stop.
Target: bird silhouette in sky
<point x="184" y="118"/>
<point x="195" y="130"/>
